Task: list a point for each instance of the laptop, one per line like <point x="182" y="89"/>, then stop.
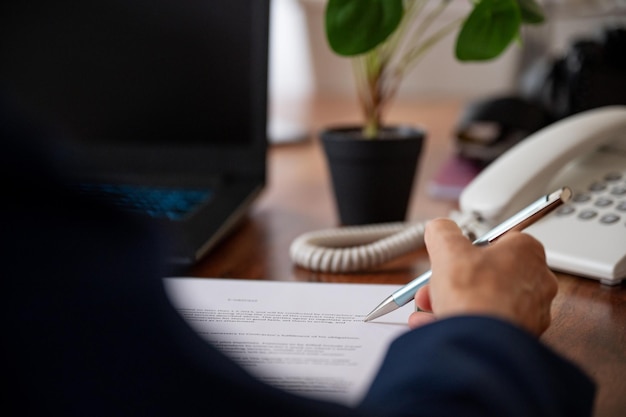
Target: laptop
<point x="165" y="103"/>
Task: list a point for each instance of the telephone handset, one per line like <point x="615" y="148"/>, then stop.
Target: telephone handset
<point x="586" y="237"/>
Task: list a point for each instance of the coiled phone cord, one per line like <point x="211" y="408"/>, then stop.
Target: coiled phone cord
<point x="354" y="248"/>
<point x="357" y="248"/>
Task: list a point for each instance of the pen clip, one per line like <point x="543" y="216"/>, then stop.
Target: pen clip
<point x="527" y="216"/>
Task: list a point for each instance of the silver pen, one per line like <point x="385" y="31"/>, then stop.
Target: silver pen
<point x="518" y="221"/>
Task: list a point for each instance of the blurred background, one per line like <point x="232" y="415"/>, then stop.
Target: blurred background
<point x="302" y="65"/>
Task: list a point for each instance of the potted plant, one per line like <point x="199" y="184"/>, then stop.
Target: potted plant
<point x="385" y="39"/>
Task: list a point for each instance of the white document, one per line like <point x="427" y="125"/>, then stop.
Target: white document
<point x="307" y="338"/>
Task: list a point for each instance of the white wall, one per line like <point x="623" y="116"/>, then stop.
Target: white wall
<point x="291" y="72"/>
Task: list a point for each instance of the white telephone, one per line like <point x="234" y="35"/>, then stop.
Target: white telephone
<point x="587" y="237"/>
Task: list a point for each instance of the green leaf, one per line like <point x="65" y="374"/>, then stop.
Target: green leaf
<point x="532" y="13"/>
<point x="489" y="29"/>
<point x="354" y="27"/>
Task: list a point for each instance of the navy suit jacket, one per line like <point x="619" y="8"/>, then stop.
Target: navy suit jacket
<point x="88" y="329"/>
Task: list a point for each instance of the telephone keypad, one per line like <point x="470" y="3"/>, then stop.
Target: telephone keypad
<point x="602" y="201"/>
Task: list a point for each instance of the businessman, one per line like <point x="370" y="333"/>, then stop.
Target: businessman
<point x="89" y="331"/>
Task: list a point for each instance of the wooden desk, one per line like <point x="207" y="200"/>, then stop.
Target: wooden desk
<point x="589" y="320"/>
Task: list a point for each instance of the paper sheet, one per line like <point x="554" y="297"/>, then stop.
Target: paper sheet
<point x="307" y="338"/>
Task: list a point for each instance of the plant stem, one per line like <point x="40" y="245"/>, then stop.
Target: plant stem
<point x="378" y="73"/>
<point x="417" y="49"/>
<point x="368" y="69"/>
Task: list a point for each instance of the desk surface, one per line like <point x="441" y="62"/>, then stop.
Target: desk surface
<point x="589" y="320"/>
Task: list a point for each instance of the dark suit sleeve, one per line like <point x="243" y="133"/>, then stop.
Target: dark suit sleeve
<point x="477" y="366"/>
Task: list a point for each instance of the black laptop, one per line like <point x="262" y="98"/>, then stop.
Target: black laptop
<point x="166" y="101"/>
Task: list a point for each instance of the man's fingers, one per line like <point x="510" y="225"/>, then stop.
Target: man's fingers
<point x="422" y="299"/>
<point x="443" y="237"/>
<point x="420" y="318"/>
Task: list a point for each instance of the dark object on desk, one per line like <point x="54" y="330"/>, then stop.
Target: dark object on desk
<point x="591" y="74"/>
<point x="164" y="102"/>
<point x="490" y="127"/>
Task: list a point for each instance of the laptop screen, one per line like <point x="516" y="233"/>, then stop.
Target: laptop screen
<point x="174" y="85"/>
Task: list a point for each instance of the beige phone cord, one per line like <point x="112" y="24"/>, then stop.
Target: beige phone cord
<point x="357" y="248"/>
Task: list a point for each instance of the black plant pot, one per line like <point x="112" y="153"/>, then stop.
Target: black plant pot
<point x="372" y="178"/>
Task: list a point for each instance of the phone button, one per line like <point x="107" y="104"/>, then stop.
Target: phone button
<point x="613" y="176"/>
<point x="581" y="198"/>
<point x="603" y="202"/>
<point x="609" y="218"/>
<point x="587" y="214"/>
<point x="619" y="190"/>
<point x="565" y="210"/>
<point x="597" y="186"/>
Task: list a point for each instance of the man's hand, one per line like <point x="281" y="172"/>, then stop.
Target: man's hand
<point x="508" y="279"/>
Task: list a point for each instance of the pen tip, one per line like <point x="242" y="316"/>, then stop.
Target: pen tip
<point x="383" y="308"/>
